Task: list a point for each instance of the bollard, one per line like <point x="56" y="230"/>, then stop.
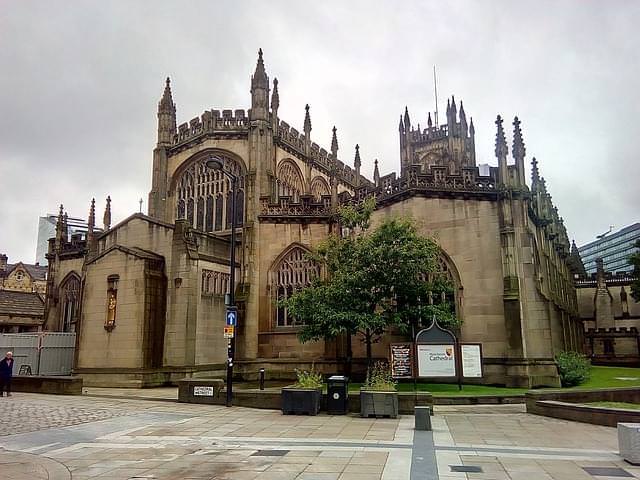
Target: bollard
<point x="262" y="379"/>
<point x="422" y="418"/>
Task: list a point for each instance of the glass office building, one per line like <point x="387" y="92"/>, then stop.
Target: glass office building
<point x="613" y="248"/>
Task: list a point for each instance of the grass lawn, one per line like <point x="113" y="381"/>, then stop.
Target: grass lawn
<point x="608" y="377"/>
<point x="601" y="377"/>
<point x="628" y="406"/>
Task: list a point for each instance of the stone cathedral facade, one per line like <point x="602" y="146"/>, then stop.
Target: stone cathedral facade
<point x="146" y="296"/>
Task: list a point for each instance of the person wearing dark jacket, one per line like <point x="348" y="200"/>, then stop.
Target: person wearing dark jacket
<point x="6" y="371"/>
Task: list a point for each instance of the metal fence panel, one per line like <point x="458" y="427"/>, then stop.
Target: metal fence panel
<point x="47" y="353"/>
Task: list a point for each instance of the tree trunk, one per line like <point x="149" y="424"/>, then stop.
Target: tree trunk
<point x="349" y="360"/>
<point x="367" y="339"/>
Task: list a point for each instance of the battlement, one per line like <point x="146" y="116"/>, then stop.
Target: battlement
<point x="432" y="181"/>
<point x="212" y="121"/>
<point x="296" y="141"/>
<point x="284" y="209"/>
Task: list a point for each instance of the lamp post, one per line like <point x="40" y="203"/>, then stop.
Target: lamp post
<point x="215" y="163"/>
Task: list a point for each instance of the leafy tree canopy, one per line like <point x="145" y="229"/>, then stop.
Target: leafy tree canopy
<point x="372" y="279"/>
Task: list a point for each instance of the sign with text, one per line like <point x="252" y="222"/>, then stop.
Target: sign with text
<point x="436" y="360"/>
<point x="203" y="391"/>
<point x="229" y="331"/>
<point x="401" y="360"/>
<point x="471" y="360"/>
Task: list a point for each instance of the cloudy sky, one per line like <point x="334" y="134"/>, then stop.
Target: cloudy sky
<point x="80" y="82"/>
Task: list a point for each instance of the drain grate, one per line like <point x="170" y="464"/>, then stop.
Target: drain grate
<point x="607" y="472"/>
<point x="465" y="468"/>
<point x="269" y="453"/>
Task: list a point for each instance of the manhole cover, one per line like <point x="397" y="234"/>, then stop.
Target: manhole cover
<point x="270" y="453"/>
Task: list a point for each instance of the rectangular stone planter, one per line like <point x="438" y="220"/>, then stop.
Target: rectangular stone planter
<point x="299" y="401"/>
<point x="629" y="442"/>
<point x="378" y="404"/>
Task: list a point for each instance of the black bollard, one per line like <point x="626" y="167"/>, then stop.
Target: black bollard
<point x="262" y="379"/>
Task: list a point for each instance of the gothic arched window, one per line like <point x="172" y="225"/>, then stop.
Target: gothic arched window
<point x="69" y="302"/>
<point x="292" y="272"/>
<point x="290" y="180"/>
<point x="319" y="187"/>
<point x="195" y="191"/>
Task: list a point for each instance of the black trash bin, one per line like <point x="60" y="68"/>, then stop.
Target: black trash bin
<point x="337" y="395"/>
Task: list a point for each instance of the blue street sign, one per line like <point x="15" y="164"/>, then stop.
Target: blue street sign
<point x="232" y="318"/>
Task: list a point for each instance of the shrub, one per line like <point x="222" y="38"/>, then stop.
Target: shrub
<point x="573" y="368"/>
<point x="309" y="379"/>
<point x="379" y="378"/>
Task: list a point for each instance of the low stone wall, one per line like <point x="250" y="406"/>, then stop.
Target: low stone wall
<point x="270" y="399"/>
<point x="479" y="400"/>
<point x="566" y="405"/>
<point x="47" y="384"/>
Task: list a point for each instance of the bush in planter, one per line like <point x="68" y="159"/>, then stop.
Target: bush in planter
<point x="573" y="368"/>
<point x="378" y="396"/>
<point x="304" y="396"/>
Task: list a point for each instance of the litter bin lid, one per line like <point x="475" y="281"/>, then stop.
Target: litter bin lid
<point x="338" y="378"/>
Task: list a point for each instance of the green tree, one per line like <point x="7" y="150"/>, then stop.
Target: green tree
<point x="372" y="280"/>
<point x="634" y="260"/>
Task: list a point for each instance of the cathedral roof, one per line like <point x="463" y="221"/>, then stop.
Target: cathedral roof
<point x="25" y="304"/>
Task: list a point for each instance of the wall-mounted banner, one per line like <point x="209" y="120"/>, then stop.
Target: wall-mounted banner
<point x="471" y="360"/>
<point x="436" y="360"/>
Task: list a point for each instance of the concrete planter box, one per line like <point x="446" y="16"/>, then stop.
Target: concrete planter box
<point x="629" y="442"/>
<point x="378" y="404"/>
<point x="301" y="401"/>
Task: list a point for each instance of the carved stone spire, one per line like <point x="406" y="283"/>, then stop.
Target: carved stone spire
<point x="454" y="110"/>
<point x="259" y="91"/>
<point x="357" y="163"/>
<point x="518" y="151"/>
<point x="106" y="219"/>
<point x="307" y="120"/>
<point x="401" y="126"/>
<point x="334" y="144"/>
<point x="376" y="173"/>
<point x="166" y="116"/>
<point x="407" y="120"/>
<point x="501" y="151"/>
<point x="275" y="97"/>
<point x="91" y="222"/>
<point x="429" y="122"/>
<point x="61" y="233"/>
<point x="463" y="121"/>
<point x="472" y="129"/>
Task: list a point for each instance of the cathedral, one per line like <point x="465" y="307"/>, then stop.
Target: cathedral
<point x="146" y="296"/>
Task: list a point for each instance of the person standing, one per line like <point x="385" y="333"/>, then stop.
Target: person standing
<point x="6" y="371"/>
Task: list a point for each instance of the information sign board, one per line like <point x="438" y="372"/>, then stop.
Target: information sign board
<point x="229" y="331"/>
<point x="471" y="360"/>
<point x="436" y="360"/>
<point x="401" y="360"/>
<point x="203" y="391"/>
<point x="232" y="317"/>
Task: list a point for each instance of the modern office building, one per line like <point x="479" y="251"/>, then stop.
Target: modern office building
<point x="47" y="230"/>
<point x="613" y="248"/>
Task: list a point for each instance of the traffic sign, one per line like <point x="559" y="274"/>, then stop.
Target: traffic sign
<point x="229" y="331"/>
<point x="232" y="317"/>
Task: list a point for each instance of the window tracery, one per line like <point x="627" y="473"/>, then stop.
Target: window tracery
<point x="214" y="283"/>
<point x="292" y="273"/>
<point x="70" y="299"/>
<point x="319" y="187"/>
<point x="203" y="196"/>
<point x="290" y="180"/>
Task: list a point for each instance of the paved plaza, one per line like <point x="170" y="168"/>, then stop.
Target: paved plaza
<point x="118" y="438"/>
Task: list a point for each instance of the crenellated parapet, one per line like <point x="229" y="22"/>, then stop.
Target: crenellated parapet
<point x="434" y="181"/>
<point x="211" y="122"/>
<point x="294" y="141"/>
<point x="285" y="210"/>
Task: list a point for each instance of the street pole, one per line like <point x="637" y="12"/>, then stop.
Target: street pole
<point x="231" y="346"/>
